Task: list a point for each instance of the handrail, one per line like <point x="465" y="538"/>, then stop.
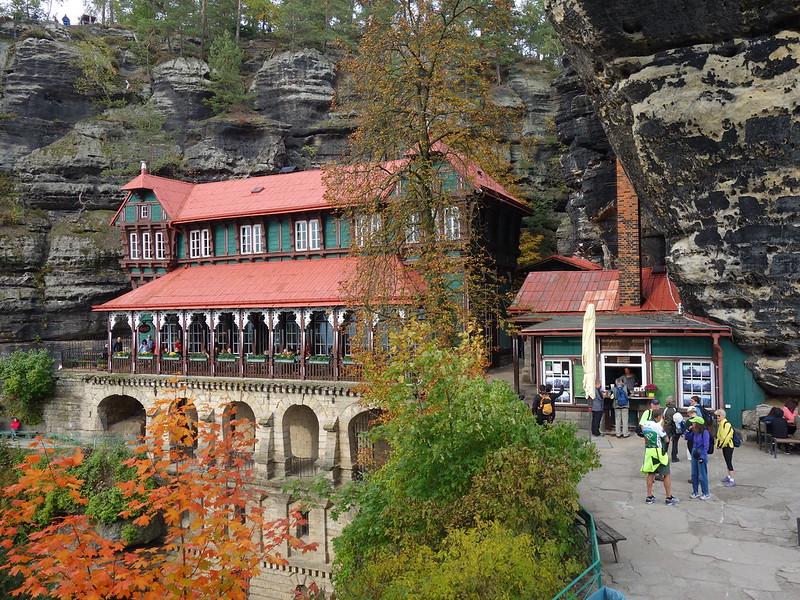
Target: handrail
<point x="590" y="580"/>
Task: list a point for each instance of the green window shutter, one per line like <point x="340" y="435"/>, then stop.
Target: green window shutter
<point x="344" y="233"/>
<point x="273" y="236"/>
<point x="180" y="246"/>
<point x="156" y="212"/>
<point x="219" y="240"/>
<point x="130" y="213"/>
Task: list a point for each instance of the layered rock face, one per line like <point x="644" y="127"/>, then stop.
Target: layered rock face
<point x="64" y="157"/>
<point x="700" y="100"/>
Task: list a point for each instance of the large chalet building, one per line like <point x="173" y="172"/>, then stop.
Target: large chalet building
<point x="247" y="277"/>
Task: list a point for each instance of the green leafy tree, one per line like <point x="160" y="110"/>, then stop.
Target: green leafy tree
<point x="465" y="451"/>
<point x="535" y="34"/>
<point x="315" y="23"/>
<point x="226" y="86"/>
<point x="27" y="381"/>
<point x="99" y="76"/>
<point x="23" y="9"/>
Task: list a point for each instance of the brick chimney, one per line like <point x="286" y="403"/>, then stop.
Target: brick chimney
<point x="628" y="259"/>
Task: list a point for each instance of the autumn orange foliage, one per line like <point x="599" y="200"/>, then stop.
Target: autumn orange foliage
<point x="197" y="476"/>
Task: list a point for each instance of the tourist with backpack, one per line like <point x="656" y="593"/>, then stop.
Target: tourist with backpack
<point x="656" y="457"/>
<point x="543" y="407"/>
<point x="621" y="408"/>
<point x="673" y="425"/>
<point x="727" y="439"/>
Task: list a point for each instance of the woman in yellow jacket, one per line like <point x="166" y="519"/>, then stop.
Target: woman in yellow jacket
<point x="725" y="443"/>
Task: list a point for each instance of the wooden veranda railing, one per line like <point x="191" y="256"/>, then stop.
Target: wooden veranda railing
<point x="95" y="359"/>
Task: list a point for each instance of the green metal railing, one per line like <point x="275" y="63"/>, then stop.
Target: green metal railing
<point x="589" y="581"/>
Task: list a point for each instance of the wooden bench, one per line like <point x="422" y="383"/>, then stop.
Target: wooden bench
<point x="775" y="441"/>
<point x="608" y="535"/>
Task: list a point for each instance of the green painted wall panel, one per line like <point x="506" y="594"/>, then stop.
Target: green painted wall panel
<point x="344" y="233"/>
<point x="219" y="240"/>
<point x="156" y="213"/>
<point x="740" y="389"/>
<point x="682" y="346"/>
<point x="329" y="227"/>
<point x="130" y="213"/>
<point x="561" y="346"/>
<point x="286" y="236"/>
<point x="232" y="249"/>
<point x="273" y="236"/>
<point x="180" y="246"/>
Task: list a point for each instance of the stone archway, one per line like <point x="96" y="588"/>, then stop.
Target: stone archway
<point x="122" y="415"/>
<point x="301" y="441"/>
<point x="366" y="453"/>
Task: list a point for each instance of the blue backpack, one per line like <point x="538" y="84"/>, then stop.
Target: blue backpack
<point x="621" y="394"/>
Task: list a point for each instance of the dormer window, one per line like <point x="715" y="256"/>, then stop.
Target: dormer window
<point x="144" y="212"/>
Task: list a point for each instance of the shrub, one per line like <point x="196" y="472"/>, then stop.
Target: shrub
<point x="27" y="381"/>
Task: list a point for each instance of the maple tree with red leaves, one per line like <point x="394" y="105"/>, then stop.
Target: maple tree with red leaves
<point x="195" y="476"/>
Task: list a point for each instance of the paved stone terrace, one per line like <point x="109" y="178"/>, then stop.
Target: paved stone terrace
<point x="741" y="544"/>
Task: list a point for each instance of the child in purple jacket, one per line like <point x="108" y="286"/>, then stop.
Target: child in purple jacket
<point x="700" y="440"/>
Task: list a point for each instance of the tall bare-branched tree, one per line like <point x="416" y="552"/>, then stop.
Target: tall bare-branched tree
<point x="420" y="88"/>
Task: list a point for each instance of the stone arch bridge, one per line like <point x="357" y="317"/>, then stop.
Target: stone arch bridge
<point x="303" y="429"/>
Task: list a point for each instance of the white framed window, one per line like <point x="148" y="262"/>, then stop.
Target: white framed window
<point x="246" y="239"/>
<point x="366" y="226"/>
<point x="258" y="239"/>
<point x="134" y="245"/>
<point x="160" y="251"/>
<point x="199" y="243"/>
<point x="313" y="235"/>
<point x="558" y="373"/>
<point x="205" y="236"/>
<point x="697" y="379"/>
<point x="144" y="212"/>
<point x="194" y="243"/>
<point x="147" y="246"/>
<point x="412" y="229"/>
<point x="301" y="235"/>
<point x="451" y="225"/>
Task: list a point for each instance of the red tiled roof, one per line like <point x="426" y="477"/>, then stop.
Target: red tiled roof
<point x="572" y="291"/>
<point x="282" y="193"/>
<point x="171" y="193"/>
<point x="295" y="283"/>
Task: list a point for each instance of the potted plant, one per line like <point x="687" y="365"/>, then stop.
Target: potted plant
<point x="198" y="356"/>
<point x="320" y="359"/>
<point x="226" y="357"/>
<point x="171" y="356"/>
<point x="348" y="359"/>
<point x="285" y="357"/>
<point x="650" y="390"/>
<point x="122" y="355"/>
<point x="146" y="355"/>
<point x="256" y="358"/>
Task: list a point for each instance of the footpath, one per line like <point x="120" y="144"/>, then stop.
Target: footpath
<point x="741" y="544"/>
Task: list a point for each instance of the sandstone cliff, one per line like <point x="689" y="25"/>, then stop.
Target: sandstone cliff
<point x="700" y="101"/>
<point x="63" y="156"/>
